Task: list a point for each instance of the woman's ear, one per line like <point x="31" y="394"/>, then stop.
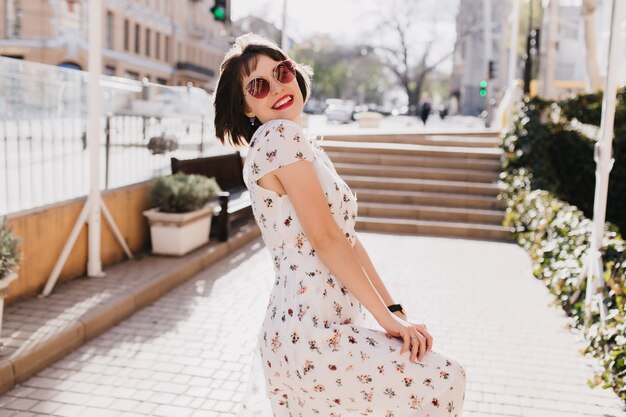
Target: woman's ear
<point x="247" y="111"/>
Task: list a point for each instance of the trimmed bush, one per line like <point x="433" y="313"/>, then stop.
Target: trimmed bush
<point x="547" y="185"/>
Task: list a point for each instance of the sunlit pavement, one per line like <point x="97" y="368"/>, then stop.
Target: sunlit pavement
<point x="188" y="353"/>
<point x="318" y="124"/>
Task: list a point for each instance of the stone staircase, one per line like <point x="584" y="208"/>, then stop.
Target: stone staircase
<point x="428" y="184"/>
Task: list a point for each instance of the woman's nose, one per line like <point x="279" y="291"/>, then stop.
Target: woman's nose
<point x="275" y="86"/>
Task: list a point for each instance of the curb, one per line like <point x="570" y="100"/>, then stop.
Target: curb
<point x="21" y="366"/>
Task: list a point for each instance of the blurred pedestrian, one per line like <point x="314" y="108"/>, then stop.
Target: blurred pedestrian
<point x="425" y="108"/>
<point x="453" y="103"/>
<point x="319" y="352"/>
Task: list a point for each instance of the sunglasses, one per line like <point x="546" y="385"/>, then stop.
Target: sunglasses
<point x="284" y="73"/>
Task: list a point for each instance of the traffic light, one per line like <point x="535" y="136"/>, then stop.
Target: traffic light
<point x="219" y="10"/>
<point x="483" y="88"/>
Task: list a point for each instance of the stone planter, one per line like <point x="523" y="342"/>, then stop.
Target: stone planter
<point x="368" y="119"/>
<point x="4" y="290"/>
<point x="179" y="233"/>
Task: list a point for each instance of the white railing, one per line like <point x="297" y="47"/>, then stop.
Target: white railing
<point x="43" y="123"/>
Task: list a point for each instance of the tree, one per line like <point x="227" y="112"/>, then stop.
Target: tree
<point x="341" y="71"/>
<point x="408" y="51"/>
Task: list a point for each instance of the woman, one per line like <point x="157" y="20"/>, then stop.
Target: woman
<point x="318" y="355"/>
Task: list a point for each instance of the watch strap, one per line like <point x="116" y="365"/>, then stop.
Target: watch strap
<point x="396" y="307"/>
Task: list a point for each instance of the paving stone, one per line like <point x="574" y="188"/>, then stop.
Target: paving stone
<point x="46" y="407"/>
<point x="21" y="404"/>
<point x="186" y="354"/>
<point x="172" y="411"/>
<point x="70" y="410"/>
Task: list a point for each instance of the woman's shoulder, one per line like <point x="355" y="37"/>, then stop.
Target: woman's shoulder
<point x="277" y="129"/>
<point x="278" y="122"/>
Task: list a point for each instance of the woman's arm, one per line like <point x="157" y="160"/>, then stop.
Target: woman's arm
<point x="373" y="276"/>
<point x="307" y="196"/>
<point x="369" y="269"/>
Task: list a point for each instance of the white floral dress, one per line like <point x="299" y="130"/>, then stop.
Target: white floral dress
<point x="321" y="354"/>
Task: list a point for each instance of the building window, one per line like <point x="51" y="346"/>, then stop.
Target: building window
<point x="71" y="65"/>
<point x="126" y="35"/>
<point x="161" y="81"/>
<point x="167" y="48"/>
<point x="132" y="75"/>
<point x="137" y="38"/>
<point x="157" y="46"/>
<point x="109" y="70"/>
<point x="147" y="42"/>
<point x="108" y="36"/>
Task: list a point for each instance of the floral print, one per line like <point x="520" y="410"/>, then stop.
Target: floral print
<point x="322" y="353"/>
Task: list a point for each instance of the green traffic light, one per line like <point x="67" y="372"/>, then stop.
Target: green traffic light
<point x="483" y="93"/>
<point x="218" y="13"/>
<point x="483" y="84"/>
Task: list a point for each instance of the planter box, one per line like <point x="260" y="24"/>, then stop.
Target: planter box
<point x="4" y="289"/>
<point x="179" y="233"/>
<point x="368" y="119"/>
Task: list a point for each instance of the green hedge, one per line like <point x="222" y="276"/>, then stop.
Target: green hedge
<point x="560" y="157"/>
<point x="546" y="162"/>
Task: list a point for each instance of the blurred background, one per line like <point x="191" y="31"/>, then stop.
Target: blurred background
<point x="443" y="63"/>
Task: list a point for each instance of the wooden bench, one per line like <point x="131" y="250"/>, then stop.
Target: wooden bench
<point x="234" y="201"/>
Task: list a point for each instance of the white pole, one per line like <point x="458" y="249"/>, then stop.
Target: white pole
<point x="94" y="264"/>
<point x="513" y="43"/>
<point x="512" y="91"/>
<point x="487" y="38"/>
<point x="550" y="52"/>
<point x="91" y="210"/>
<point x="604" y="162"/>
<point x="284" y="40"/>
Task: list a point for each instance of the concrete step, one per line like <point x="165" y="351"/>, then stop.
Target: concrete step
<point x="486" y="165"/>
<point x="434" y="228"/>
<point x="424" y="212"/>
<point x="446" y="174"/>
<point x="413" y="184"/>
<point x="476" y="141"/>
<point x="411" y="150"/>
<point x="427" y="198"/>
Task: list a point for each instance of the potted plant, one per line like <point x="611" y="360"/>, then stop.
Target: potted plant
<point x="180" y="219"/>
<point x="9" y="262"/>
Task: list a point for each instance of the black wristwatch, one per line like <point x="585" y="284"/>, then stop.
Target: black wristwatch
<point x="396" y="307"/>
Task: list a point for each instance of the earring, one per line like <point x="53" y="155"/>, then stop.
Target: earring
<point x="252" y="120"/>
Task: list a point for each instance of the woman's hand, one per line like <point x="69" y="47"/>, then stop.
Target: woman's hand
<point x="415" y="336"/>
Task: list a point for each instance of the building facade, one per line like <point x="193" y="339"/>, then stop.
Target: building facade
<point x="171" y="42"/>
<point x="470" y="65"/>
<point x="569" y="50"/>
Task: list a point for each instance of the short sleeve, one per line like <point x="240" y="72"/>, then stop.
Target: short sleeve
<point x="279" y="143"/>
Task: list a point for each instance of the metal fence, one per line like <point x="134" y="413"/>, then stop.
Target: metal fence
<point x="43" y="125"/>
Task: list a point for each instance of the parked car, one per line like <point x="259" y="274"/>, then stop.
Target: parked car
<point x="338" y="110"/>
<point x="313" y="106"/>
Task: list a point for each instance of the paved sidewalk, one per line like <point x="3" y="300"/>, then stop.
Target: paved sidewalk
<point x="186" y="354"/>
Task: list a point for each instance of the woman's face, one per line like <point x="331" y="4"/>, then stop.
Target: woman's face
<point x="284" y="101"/>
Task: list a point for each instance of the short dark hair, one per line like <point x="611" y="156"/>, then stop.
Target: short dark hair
<point x="231" y="123"/>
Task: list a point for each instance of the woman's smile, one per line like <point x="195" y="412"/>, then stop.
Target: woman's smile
<point x="284" y="102"/>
